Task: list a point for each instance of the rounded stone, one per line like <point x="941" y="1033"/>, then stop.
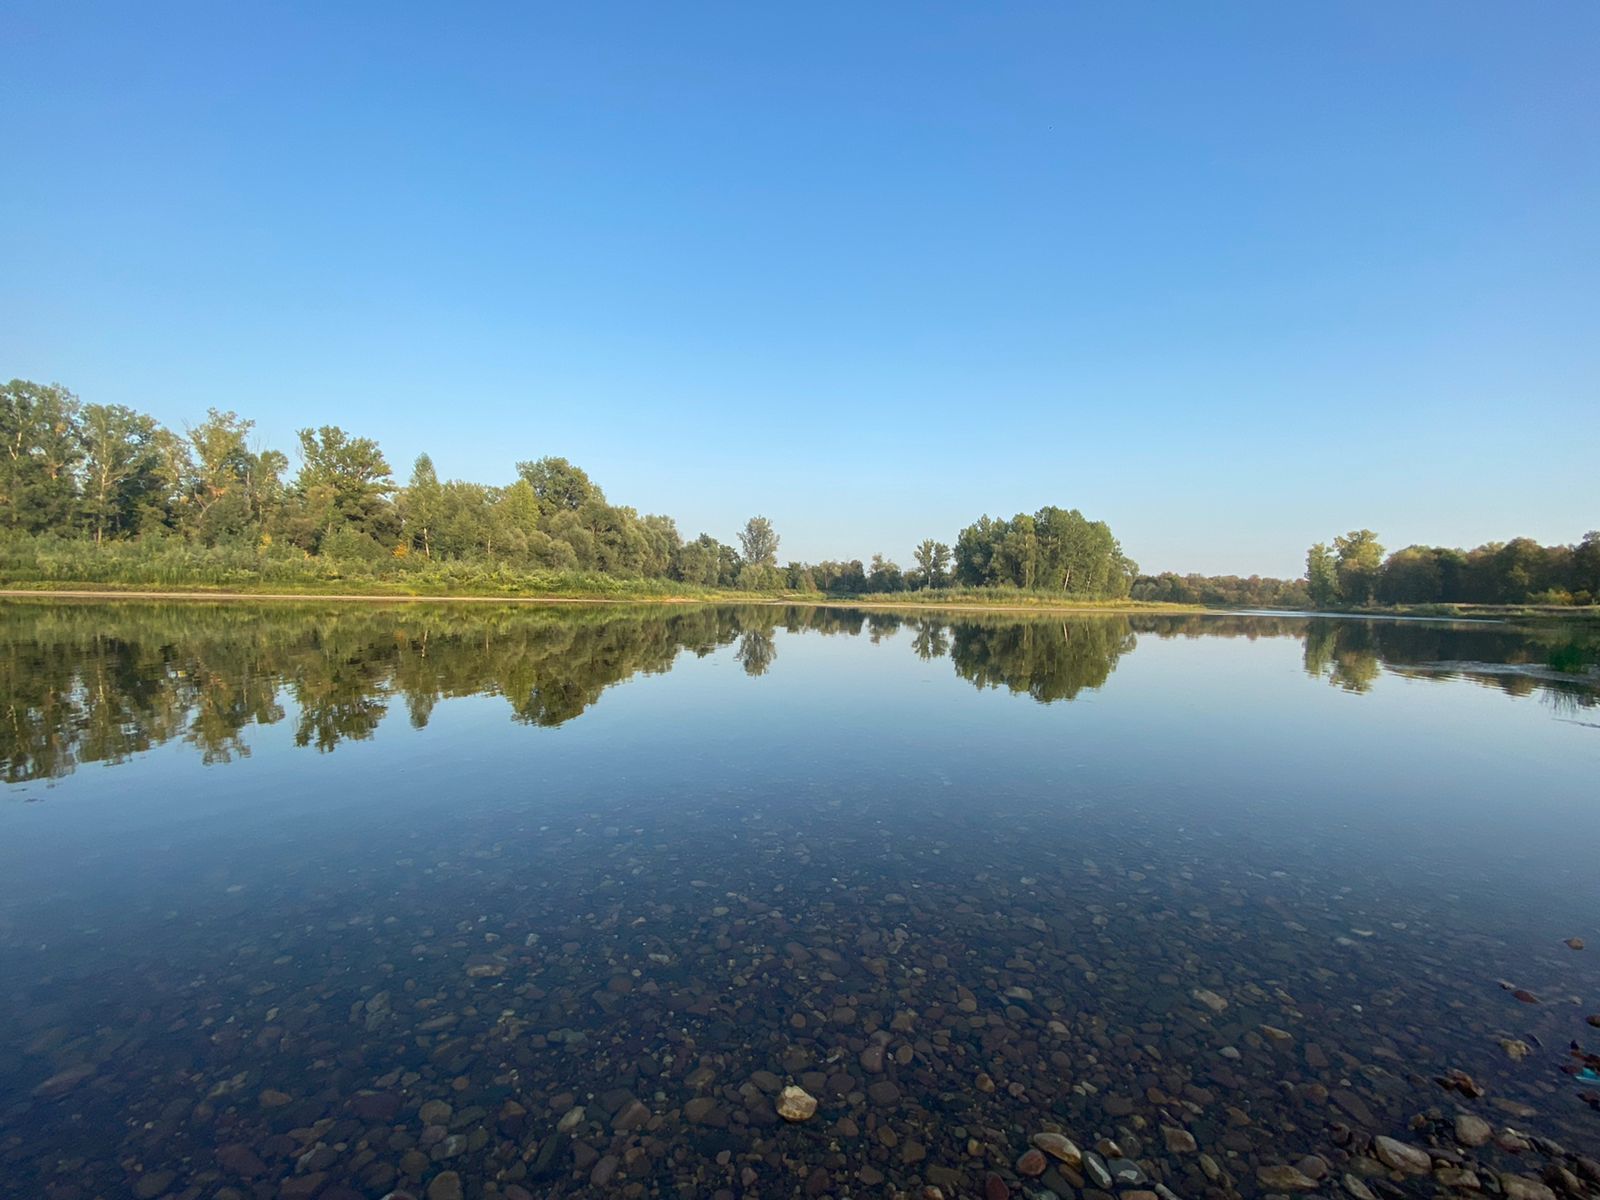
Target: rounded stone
<point x="796" y="1104"/>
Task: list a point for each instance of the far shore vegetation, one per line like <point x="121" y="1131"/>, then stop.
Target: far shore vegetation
<point x="101" y="497"/>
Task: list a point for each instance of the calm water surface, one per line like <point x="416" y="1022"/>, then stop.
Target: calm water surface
<point x="344" y="902"/>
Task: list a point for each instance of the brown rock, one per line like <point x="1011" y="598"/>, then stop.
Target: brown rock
<point x="1059" y="1148"/>
<point x="1179" y="1141"/>
<point x="883" y="1092"/>
<point x="1284" y="1179"/>
<point x="796" y="1104"/>
<point x="302" y="1187"/>
<point x="1032" y="1164"/>
<point x="238" y="1159"/>
<point x="994" y="1188"/>
<point x="634" y="1115"/>
<point x="1575" y="943"/>
<point x="64" y="1081"/>
<point x="1472" y="1130"/>
<point x="1210" y="999"/>
<point x="1400" y="1157"/>
<point x="1521" y="1187"/>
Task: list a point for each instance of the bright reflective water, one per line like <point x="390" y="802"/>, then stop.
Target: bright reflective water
<point x="483" y="901"/>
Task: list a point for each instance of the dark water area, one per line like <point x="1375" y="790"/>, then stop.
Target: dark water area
<point x="348" y="901"/>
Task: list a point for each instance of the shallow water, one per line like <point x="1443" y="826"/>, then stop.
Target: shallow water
<point x="340" y="901"/>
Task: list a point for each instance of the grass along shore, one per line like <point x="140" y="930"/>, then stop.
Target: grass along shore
<point x="629" y="592"/>
<point x="583" y="588"/>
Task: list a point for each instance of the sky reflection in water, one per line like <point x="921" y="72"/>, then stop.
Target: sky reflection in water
<point x="519" y="860"/>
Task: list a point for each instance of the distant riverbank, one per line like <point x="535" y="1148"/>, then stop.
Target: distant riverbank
<point x="636" y="592"/>
<point x="943" y="599"/>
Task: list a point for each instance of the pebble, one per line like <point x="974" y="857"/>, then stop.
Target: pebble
<point x="633" y="1115"/>
<point x="796" y="1104"/>
<point x="1126" y="1173"/>
<point x="1472" y="1130"/>
<point x="884" y="1092"/>
<point x="1095" y="1168"/>
<point x="604" y="1170"/>
<point x="1179" y="1141"/>
<point x="1032" y="1163"/>
<point x="446" y="1186"/>
<point x="1210" y="999"/>
<point x="1284" y="1179"/>
<point x="1402" y="1157"/>
<point x="1520" y="1187"/>
<point x="1059" y="1147"/>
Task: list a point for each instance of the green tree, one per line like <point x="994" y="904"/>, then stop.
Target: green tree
<point x="1360" y="558"/>
<point x="884" y="576"/>
<point x="974" y="552"/>
<point x="343" y="482"/>
<point x="1322" y="576"/>
<point x="1411" y="576"/>
<point x="759" y="543"/>
<point x="419" y="505"/>
<point x="123" y="481"/>
<point x="217" y="497"/>
<point x="1586" y="568"/>
<point x="759" y="577"/>
<point x="932" y="559"/>
<point x="559" y="485"/>
<point x="39" y="452"/>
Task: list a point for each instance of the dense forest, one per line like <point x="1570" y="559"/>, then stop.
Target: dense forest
<point x="1354" y="573"/>
<point x="100" y="493"/>
<point x="103" y="493"/>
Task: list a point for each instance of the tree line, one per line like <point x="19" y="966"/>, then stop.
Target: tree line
<point x="207" y="505"/>
<point x="107" y="474"/>
<point x="1354" y="572"/>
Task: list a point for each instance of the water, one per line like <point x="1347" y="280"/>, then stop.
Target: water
<point x="344" y="901"/>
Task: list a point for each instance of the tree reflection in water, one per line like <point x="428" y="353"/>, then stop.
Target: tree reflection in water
<point x="91" y="682"/>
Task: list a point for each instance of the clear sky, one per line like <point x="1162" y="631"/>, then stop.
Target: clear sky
<point x="1232" y="277"/>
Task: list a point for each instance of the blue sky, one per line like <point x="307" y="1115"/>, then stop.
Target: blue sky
<point x="1232" y="277"/>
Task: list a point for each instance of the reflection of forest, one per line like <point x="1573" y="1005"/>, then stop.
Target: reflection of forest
<point x="101" y="682"/>
<point x="1050" y="660"/>
<point x="1558" y="660"/>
